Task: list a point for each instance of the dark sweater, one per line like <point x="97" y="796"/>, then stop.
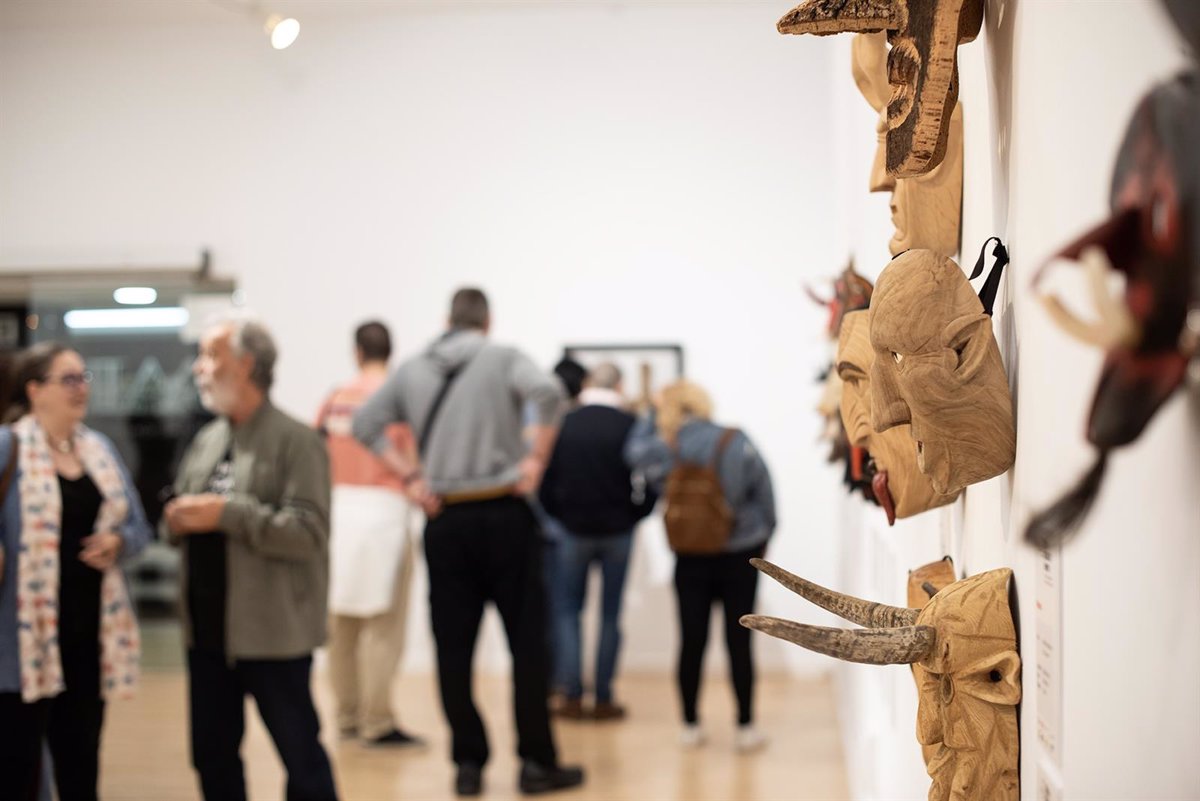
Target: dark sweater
<point x="588" y="486"/>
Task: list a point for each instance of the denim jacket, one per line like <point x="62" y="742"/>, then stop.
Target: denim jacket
<point x="743" y="473"/>
<point x="136" y="532"/>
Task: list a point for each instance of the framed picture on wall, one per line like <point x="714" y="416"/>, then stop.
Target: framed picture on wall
<point x="645" y="369"/>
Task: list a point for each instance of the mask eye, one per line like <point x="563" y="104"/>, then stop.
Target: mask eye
<point x="897" y="357"/>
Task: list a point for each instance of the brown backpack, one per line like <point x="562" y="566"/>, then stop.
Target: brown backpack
<point x="698" y="518"/>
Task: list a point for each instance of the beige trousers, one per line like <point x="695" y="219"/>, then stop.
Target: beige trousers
<point x="363" y="655"/>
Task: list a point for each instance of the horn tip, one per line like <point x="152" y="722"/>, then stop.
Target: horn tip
<point x="752" y="621"/>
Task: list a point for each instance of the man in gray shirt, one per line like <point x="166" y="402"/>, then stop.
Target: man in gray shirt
<point x="471" y="472"/>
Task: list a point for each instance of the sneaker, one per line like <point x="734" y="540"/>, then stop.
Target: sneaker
<point x="469" y="780"/>
<point x="692" y="736"/>
<point x="537" y="778"/>
<point x="607" y="710"/>
<point x="397" y="739"/>
<point x="749" y="739"/>
<point x="570" y="708"/>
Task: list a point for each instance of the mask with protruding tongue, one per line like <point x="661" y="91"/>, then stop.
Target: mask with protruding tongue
<point x="879" y="485"/>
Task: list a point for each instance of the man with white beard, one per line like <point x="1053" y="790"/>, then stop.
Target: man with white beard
<point x="252" y="515"/>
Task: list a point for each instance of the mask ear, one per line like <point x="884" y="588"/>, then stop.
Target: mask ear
<point x="968" y="337"/>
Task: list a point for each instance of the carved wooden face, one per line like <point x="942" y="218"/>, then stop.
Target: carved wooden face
<point x="922" y="66"/>
<point x="926" y="209"/>
<point x="923" y="74"/>
<point x="853" y="366"/>
<point x="969" y="688"/>
<point x="897" y="483"/>
<point x="923" y="583"/>
<point x="969" y="679"/>
<point x="937" y="367"/>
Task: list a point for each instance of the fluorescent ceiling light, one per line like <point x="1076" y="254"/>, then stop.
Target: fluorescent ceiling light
<point x="135" y="295"/>
<point x="282" y="31"/>
<point x="111" y="319"/>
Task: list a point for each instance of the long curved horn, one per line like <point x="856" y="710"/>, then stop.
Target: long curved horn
<point x="899" y="646"/>
<point x="847" y="607"/>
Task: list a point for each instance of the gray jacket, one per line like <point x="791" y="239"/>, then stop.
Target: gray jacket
<point x="276" y="526"/>
<point x="476" y="441"/>
<point x="745" y="479"/>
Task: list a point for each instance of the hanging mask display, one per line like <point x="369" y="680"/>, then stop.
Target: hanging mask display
<point x="965" y="643"/>
<point x="1152" y="331"/>
<point x="897" y="485"/>
<point x="926" y="209"/>
<point x="851" y="292"/>
<point x="937" y="368"/>
<point x="922" y="66"/>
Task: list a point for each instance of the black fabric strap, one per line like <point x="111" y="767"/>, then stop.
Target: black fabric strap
<point x="987" y="294"/>
<point x="431" y="418"/>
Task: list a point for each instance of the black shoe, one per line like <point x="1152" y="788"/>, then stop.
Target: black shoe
<point x="469" y="780"/>
<point x="397" y="739"/>
<point x="537" y="778"/>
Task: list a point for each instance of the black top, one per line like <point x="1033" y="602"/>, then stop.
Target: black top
<point x="206" y="572"/>
<point x="79" y="586"/>
<point x="588" y="486"/>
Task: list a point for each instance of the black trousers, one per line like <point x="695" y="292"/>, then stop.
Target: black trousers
<point x="280" y="688"/>
<point x="480" y="552"/>
<point x="69" y="724"/>
<point x="700" y="581"/>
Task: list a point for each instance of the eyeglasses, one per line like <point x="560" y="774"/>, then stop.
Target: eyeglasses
<point x="70" y="380"/>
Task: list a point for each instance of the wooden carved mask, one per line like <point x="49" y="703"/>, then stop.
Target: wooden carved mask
<point x="923" y="584"/>
<point x="965" y="643"/>
<point x="922" y="66"/>
<point x="926" y="209"/>
<point x="897" y="484"/>
<point x="937" y="367"/>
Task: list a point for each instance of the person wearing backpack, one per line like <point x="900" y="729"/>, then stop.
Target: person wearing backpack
<point x="719" y="511"/>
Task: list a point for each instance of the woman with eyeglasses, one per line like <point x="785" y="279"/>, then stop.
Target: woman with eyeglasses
<point x="68" y="637"/>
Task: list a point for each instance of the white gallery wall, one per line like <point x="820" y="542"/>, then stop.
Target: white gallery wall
<point x="608" y="172"/>
<point x="1047" y="92"/>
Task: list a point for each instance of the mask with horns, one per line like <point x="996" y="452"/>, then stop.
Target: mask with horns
<point x="1151" y="333"/>
<point x="965" y="643"/>
<point x="922" y="66"/>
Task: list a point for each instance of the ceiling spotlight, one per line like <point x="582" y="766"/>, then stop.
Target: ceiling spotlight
<point x="283" y="31"/>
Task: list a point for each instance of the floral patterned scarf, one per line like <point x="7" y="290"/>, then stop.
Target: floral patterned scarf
<point x="38" y="566"/>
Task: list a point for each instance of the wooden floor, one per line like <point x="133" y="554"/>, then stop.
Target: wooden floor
<point x="145" y="753"/>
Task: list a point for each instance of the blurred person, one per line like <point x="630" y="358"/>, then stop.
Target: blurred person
<point x="588" y="489"/>
<point x="572" y="374"/>
<point x="68" y="637"/>
<point x="471" y="472"/>
<point x="370" y="556"/>
<point x="252" y="515"/>
<point x="677" y="435"/>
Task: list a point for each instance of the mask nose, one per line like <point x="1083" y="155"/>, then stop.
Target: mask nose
<point x="888" y="408"/>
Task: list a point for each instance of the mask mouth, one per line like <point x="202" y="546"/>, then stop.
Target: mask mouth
<point x="879" y="485"/>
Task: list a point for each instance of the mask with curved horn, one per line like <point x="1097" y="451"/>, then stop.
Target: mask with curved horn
<point x="969" y="683"/>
